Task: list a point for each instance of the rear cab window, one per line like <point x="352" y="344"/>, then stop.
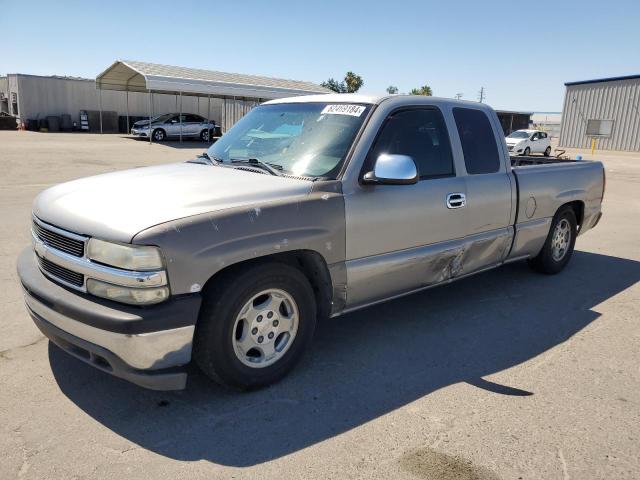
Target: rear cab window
<point x="478" y="141"/>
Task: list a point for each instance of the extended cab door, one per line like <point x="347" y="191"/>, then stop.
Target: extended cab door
<point x="489" y="208"/>
<point x="404" y="237"/>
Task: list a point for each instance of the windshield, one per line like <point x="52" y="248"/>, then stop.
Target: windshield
<point x="519" y="134"/>
<point x="307" y="139"/>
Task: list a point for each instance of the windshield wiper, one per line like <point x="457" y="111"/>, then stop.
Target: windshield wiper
<point x="205" y="159"/>
<point x="254" y="162"/>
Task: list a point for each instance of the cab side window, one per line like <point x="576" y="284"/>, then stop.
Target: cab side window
<point x="479" y="145"/>
<point x="420" y="134"/>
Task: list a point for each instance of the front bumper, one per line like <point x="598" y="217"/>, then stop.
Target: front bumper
<point x="139" y="133"/>
<point x="145" y="345"/>
<point x="515" y="150"/>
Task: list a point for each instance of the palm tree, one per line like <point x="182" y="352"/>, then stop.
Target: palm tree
<point x="424" y="90"/>
<point x="353" y="82"/>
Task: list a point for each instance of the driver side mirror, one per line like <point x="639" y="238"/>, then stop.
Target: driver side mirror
<point x="392" y="170"/>
<point x="173" y="121"/>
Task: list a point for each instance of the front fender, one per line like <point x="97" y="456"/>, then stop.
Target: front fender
<point x="197" y="247"/>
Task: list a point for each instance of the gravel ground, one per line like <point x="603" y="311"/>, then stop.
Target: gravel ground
<point x="505" y="375"/>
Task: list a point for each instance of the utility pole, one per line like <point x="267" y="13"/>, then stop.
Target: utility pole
<point x="481" y="95"/>
<point x="458" y="96"/>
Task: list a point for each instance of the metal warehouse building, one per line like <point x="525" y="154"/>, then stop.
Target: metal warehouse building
<point x="605" y="110"/>
<point x="138" y="89"/>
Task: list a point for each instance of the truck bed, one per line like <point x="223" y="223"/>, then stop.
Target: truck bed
<point x="546" y="183"/>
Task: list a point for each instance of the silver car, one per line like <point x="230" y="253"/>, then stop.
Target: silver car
<point x="174" y="125"/>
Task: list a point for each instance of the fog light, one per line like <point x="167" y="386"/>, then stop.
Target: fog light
<point x="132" y="296"/>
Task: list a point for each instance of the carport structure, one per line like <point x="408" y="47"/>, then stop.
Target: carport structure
<point x="239" y="92"/>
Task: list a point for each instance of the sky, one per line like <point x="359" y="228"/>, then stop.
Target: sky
<point x="520" y="52"/>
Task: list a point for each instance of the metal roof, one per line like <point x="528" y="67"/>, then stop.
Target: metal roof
<point x="599" y="80"/>
<point x="142" y="76"/>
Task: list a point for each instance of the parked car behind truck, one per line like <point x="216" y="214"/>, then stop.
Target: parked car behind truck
<point x="526" y="142"/>
<point x="308" y="208"/>
<point x="174" y="125"/>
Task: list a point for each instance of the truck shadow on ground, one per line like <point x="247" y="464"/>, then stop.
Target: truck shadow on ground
<point x="362" y="365"/>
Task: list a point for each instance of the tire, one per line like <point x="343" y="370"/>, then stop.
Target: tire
<point x="527" y="152"/>
<point x="222" y="328"/>
<point x="159" y="135"/>
<point x="552" y="259"/>
<point x="547" y="152"/>
<point x="204" y="135"/>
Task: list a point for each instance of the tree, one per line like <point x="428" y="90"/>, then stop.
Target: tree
<point x="351" y="83"/>
<point x="354" y="82"/>
<point x="331" y="84"/>
<point x="424" y="90"/>
<point x="392" y="89"/>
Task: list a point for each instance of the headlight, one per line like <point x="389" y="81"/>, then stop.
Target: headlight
<point x="128" y="257"/>
<point x="133" y="296"/>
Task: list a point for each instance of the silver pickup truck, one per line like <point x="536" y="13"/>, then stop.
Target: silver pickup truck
<point x="308" y="208"/>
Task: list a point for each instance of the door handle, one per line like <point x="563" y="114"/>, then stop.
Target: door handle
<point x="456" y="200"/>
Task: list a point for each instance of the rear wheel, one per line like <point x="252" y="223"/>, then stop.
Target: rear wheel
<point x="159" y="135"/>
<point x="547" y="152"/>
<point x="558" y="247"/>
<point x="255" y="325"/>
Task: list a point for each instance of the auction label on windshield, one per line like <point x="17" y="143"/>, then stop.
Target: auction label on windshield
<point x="343" y="109"/>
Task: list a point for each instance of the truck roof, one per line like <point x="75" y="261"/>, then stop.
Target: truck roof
<point x="372" y="99"/>
<point x="329" y="97"/>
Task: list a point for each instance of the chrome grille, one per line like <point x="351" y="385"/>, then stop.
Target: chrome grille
<point x="61" y="273"/>
<point x="58" y="241"/>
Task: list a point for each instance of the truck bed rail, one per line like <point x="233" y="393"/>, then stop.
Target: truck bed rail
<point x="518" y="161"/>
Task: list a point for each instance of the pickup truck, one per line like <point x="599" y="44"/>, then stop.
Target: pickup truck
<point x="308" y="208"/>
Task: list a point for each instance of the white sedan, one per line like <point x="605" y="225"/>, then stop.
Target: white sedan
<point x="526" y="142"/>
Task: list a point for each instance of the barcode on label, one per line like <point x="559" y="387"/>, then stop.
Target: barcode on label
<point x="343" y="109"/>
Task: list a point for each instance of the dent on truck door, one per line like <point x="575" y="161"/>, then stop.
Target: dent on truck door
<point x="404" y="237"/>
<point x="488" y="209"/>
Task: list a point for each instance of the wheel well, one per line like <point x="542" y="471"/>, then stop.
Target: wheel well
<point x="309" y="262"/>
<point x="578" y="209"/>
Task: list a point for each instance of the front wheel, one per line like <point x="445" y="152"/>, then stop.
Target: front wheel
<point x="254" y="325"/>
<point x="158" y="135"/>
<point x="527" y="152"/>
<point x="547" y="152"/>
<point x="558" y="247"/>
<point x="204" y="135"/>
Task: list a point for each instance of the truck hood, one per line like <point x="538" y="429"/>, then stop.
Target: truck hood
<point x="117" y="206"/>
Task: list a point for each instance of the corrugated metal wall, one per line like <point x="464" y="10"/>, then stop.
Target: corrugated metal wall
<point x="616" y="100"/>
<point x="43" y="96"/>
<point x="234" y="109"/>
